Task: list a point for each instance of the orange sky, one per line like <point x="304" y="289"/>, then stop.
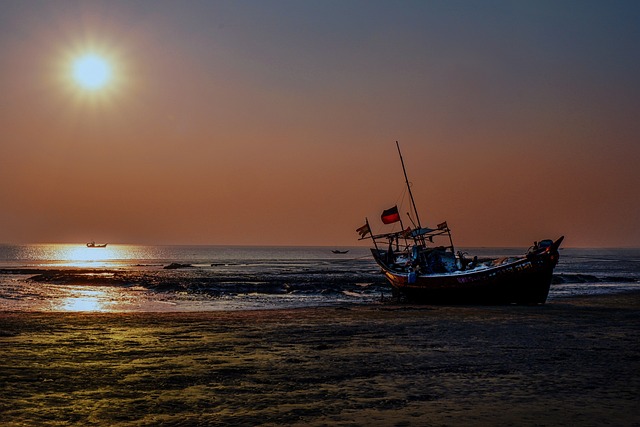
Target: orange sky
<point x="274" y="123"/>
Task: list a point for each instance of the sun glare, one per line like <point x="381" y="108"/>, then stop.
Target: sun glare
<point x="91" y="71"/>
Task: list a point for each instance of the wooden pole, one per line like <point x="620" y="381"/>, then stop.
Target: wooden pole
<point x="406" y="179"/>
<point x="453" y="251"/>
<point x="371" y="233"/>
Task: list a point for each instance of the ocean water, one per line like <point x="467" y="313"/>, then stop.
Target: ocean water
<point x="72" y="277"/>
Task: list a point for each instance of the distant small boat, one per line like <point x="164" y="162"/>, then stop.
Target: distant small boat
<point x="95" y="245"/>
<point x="335" y="251"/>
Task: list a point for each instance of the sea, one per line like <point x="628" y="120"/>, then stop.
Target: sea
<point x="135" y="278"/>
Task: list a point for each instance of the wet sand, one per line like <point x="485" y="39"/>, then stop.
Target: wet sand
<point x="570" y="362"/>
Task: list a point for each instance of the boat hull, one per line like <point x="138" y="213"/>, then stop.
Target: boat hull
<point x="524" y="281"/>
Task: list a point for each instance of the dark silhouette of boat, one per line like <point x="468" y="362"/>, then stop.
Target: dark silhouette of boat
<point x="336" y="251"/>
<point x="421" y="271"/>
<point x="96" y="245"/>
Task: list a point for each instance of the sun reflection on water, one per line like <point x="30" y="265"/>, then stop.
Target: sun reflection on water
<point x="80" y="299"/>
<point x="106" y="299"/>
<point x="79" y="255"/>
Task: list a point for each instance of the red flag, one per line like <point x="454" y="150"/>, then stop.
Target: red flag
<point x="364" y="230"/>
<point x="390" y="215"/>
<point x="442" y="226"/>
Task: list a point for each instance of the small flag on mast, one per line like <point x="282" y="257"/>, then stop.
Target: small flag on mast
<point x="364" y="230"/>
<point x="442" y="226"/>
<point x="391" y="215"/>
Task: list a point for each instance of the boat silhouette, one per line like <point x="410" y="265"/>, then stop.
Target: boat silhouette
<point x="96" y="245"/>
<point x="420" y="270"/>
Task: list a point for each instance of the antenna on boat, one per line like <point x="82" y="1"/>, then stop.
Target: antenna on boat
<point x="413" y="202"/>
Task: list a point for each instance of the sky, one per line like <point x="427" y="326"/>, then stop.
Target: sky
<point x="274" y="122"/>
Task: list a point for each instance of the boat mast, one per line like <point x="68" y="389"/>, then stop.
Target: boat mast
<point x="371" y="233"/>
<point x="406" y="179"/>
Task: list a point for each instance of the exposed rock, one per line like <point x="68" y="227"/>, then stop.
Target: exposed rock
<point x="176" y="265"/>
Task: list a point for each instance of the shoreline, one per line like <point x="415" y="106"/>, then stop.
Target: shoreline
<point x="571" y="361"/>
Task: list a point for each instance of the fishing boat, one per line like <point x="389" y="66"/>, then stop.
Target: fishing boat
<point x="337" y="251"/>
<point x="422" y="265"/>
<point x="96" y="245"/>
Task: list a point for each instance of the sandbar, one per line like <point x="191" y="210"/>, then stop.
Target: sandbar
<point x="569" y="362"/>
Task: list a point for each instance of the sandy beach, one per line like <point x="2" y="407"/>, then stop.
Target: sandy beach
<point x="570" y="362"/>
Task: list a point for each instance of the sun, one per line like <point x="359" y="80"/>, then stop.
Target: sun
<point x="91" y="71"/>
<point x="93" y="74"/>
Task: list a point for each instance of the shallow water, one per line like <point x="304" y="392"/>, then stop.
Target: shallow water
<point x="133" y="278"/>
